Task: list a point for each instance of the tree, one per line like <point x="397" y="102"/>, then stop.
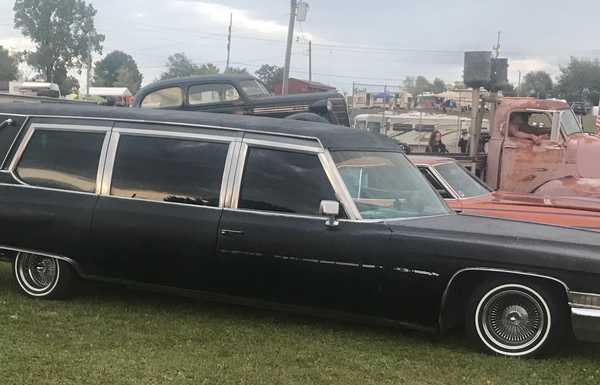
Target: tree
<point x="237" y="70"/>
<point x="9" y="65"/>
<point x="62" y="31"/>
<point x="538" y="84"/>
<point x="422" y="85"/>
<point x="270" y="75"/>
<point x="179" y="65"/>
<point x="118" y="69"/>
<point x="438" y="86"/>
<point x="417" y="86"/>
<point x="576" y="77"/>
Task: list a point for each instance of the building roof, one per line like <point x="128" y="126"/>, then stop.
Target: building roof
<point x="314" y="84"/>
<point x="110" y="91"/>
<point x="331" y="136"/>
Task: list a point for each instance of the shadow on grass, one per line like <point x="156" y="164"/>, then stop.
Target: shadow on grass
<point x="93" y="293"/>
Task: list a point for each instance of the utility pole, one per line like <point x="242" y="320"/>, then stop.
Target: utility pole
<point x="229" y="42"/>
<point x="310" y="60"/>
<point x="288" y="50"/>
<point x="519" y="85"/>
<point x="88" y="75"/>
<point x="497" y="46"/>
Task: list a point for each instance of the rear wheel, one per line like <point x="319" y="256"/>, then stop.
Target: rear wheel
<point x="515" y="318"/>
<point x="41" y="276"/>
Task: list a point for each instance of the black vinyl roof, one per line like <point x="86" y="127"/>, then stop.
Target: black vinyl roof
<point x="331" y="136"/>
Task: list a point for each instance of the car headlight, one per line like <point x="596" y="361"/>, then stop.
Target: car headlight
<point x="585" y="300"/>
<point x="329" y="106"/>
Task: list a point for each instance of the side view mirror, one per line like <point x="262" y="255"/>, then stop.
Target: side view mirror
<point x="331" y="210"/>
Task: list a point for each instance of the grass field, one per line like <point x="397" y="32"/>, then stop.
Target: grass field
<point x="112" y="335"/>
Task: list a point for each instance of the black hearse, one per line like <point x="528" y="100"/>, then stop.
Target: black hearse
<point x="261" y="211"/>
<point x="242" y="95"/>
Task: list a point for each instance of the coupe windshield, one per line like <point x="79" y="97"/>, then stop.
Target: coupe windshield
<point x="254" y="88"/>
<point x="569" y="123"/>
<point x="462" y="181"/>
<point x="386" y="185"/>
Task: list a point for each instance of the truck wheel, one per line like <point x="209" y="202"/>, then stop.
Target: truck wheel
<point x="515" y="318"/>
<point x="42" y="277"/>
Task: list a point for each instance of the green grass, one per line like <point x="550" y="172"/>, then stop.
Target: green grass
<point x="112" y="335"/>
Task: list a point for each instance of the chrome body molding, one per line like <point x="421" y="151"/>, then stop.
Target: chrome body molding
<point x="45" y="254"/>
<point x="586" y="324"/>
<point x="283" y="109"/>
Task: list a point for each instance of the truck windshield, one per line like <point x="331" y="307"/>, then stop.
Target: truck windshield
<point x="569" y="123"/>
<point x="254" y="88"/>
<point x="385" y="185"/>
<point x="462" y="181"/>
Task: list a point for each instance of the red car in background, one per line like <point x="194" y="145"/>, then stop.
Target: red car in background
<point x="465" y="193"/>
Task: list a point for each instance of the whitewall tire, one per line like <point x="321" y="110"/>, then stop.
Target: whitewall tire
<point x="40" y="276"/>
<point x="514" y="319"/>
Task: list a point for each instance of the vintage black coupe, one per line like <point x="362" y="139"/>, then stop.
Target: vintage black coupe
<point x="242" y="95"/>
<point x="278" y="213"/>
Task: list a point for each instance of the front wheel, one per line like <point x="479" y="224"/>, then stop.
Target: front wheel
<point x="515" y="319"/>
<point x="41" y="276"/>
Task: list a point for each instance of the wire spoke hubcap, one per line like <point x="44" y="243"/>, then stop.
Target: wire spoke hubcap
<point x="37" y="272"/>
<point x="513" y="319"/>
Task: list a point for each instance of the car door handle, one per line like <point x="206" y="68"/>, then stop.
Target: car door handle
<point x="231" y="232"/>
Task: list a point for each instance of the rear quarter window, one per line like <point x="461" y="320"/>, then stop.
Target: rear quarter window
<point x="163" y="98"/>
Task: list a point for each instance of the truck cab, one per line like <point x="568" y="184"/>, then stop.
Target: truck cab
<point x="562" y="162"/>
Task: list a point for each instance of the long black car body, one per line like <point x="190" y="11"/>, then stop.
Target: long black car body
<point x="241" y="94"/>
<point x="278" y="213"/>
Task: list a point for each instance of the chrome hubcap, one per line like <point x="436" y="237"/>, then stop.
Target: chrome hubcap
<point x="513" y="319"/>
<point x="36" y="272"/>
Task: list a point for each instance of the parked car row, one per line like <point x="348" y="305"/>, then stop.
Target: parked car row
<point x="279" y="213"/>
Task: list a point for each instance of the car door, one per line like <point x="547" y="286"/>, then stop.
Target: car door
<point x="162" y="195"/>
<point x="274" y="245"/>
<point x="50" y="186"/>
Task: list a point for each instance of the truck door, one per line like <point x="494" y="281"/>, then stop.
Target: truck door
<point x="526" y="165"/>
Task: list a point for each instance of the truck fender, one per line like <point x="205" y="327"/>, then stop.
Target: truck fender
<point x="308" y="117"/>
<point x="570" y="186"/>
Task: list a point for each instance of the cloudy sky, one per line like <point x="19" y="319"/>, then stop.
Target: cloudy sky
<point x="373" y="42"/>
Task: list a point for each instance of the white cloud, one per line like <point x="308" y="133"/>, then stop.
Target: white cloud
<point x="15" y="44"/>
<point x="531" y="64"/>
<point x="242" y="19"/>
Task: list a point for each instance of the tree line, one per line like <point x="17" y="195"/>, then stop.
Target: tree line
<point x="71" y="22"/>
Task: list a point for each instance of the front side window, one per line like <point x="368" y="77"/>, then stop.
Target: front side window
<point x="435" y="182"/>
<point x="65" y="160"/>
<point x="212" y="93"/>
<point x="284" y="181"/>
<point x="254" y="89"/>
<point x="165" y="98"/>
<point x="386" y="185"/>
<point x="569" y="123"/>
<point x="169" y="170"/>
<point x="462" y="181"/>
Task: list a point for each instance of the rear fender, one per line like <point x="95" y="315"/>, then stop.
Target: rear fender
<point x="570" y="186"/>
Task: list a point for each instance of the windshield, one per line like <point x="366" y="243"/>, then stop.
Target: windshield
<point x="254" y="89"/>
<point x="569" y="123"/>
<point x="386" y="185"/>
<point x="462" y="181"/>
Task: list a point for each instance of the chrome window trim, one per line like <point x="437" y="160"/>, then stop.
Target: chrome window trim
<point x="233" y="145"/>
<point x="21" y="184"/>
<point x="339" y="187"/>
<point x="281" y="145"/>
<point x="239" y="174"/>
<point x="61" y="128"/>
<point x="14" y="141"/>
<point x="194" y="125"/>
<point x="440" y="179"/>
<point x="176" y="134"/>
<point x="238" y="150"/>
